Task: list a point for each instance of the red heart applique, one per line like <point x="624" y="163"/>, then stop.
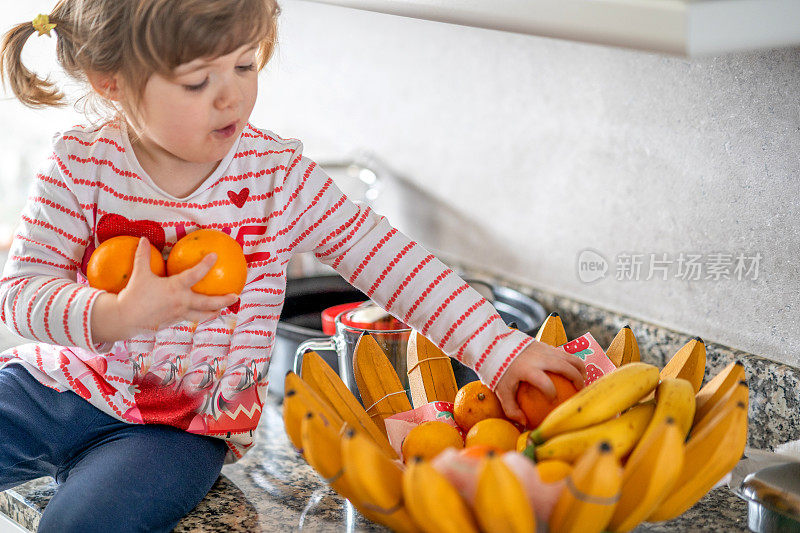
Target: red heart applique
<point x="240" y="198"/>
<point x="165" y="404"/>
<point x="112" y="225"/>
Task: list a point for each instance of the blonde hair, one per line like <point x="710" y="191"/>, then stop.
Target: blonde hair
<point x="135" y="39"/>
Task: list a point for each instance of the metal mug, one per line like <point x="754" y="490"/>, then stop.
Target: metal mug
<point x="393" y="342"/>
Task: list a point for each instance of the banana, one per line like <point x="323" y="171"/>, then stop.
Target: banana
<point x="321" y="443"/>
<point x="600" y="401"/>
<point x="381" y="391"/>
<point x="321" y="377"/>
<point x="376" y="480"/>
<point x="501" y="504"/>
<point x="710" y="454"/>
<point x="620" y="433"/>
<point x="738" y="394"/>
<point x="674" y="399"/>
<point x="623" y="349"/>
<point x="688" y="363"/>
<point x="649" y="475"/>
<point x="434" y="502"/>
<point x="552" y="331"/>
<point x="322" y="448"/>
<point x="430" y="372"/>
<point x="299" y="399"/>
<point x="588" y="501"/>
<point x="719" y="385"/>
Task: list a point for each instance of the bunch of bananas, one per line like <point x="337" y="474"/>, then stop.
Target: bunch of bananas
<point x="641" y="416"/>
<point x="646" y="444"/>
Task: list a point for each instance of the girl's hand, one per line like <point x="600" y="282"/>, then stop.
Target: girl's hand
<point x="149" y="302"/>
<point x="530" y="366"/>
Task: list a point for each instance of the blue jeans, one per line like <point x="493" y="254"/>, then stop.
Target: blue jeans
<point x="111" y="476"/>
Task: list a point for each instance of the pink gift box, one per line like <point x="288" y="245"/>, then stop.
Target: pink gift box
<point x="597" y="362"/>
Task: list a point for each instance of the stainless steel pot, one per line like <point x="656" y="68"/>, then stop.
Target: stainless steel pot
<point x="307" y="297"/>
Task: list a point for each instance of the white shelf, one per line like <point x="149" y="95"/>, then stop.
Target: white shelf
<point x="682" y="27"/>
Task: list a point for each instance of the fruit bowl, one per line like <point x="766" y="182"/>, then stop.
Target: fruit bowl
<point x="641" y="443"/>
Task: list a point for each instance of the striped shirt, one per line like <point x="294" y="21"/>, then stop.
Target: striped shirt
<point x="212" y="379"/>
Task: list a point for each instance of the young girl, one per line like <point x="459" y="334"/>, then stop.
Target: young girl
<point x="128" y="406"/>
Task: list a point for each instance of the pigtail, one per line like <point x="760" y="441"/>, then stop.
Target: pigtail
<point x="28" y="87"/>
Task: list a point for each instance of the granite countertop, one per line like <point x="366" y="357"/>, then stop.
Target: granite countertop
<point x="273" y="489"/>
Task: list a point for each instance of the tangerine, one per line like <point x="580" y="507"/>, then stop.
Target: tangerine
<point x="429" y="439"/>
<point x="480" y="451"/>
<point x="534" y="403"/>
<point x="553" y="470"/>
<point x="522" y="441"/>
<point x="110" y="265"/>
<point x="497" y="432"/>
<point x="229" y="273"/>
<point x="475" y="402"/>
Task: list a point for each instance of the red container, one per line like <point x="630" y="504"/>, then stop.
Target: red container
<point x="329" y="316"/>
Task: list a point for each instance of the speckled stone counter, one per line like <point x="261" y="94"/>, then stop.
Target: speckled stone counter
<point x="273" y="489"/>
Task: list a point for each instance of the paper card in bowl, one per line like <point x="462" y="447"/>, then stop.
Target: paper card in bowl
<point x="399" y="425"/>
<point x="589" y="350"/>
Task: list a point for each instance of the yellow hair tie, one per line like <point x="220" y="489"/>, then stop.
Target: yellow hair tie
<point x="41" y="23"/>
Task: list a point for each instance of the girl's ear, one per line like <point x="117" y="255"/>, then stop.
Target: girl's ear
<point x="106" y="85"/>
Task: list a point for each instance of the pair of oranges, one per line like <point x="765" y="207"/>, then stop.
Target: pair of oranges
<point x="431" y="438"/>
<point x="475" y="402"/>
<point x="111" y="264"/>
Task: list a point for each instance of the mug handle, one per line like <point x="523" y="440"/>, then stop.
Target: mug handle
<point x="327" y="343"/>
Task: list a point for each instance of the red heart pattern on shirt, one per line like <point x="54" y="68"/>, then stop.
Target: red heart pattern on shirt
<point x="239" y="198"/>
<point x="113" y="225"/>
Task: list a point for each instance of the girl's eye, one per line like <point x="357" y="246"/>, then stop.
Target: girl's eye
<point x="246" y="68"/>
<point x="196" y="87"/>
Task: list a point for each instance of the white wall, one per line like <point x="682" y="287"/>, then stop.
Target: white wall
<point x="527" y="151"/>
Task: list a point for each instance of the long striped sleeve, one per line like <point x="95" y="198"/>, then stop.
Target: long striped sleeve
<point x="40" y="298"/>
<point x="395" y="272"/>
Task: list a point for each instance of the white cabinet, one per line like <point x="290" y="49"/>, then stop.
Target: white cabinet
<point x="683" y="27"/>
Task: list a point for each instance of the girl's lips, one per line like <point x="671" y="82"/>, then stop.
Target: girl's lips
<point x="227" y="131"/>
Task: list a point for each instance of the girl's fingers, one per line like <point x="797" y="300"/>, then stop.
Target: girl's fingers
<point x="508" y="401"/>
<point x="539" y="379"/>
<point x="190" y="276"/>
<point x="141" y="259"/>
<point x="201" y="302"/>
<point x="578" y="363"/>
<point x="567" y="370"/>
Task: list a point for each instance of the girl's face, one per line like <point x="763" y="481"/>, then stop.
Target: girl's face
<point x="198" y="114"/>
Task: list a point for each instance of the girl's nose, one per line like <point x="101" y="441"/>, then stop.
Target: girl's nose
<point x="229" y="95"/>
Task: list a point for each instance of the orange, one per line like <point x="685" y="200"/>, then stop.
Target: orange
<point x="497" y="432"/>
<point x="475" y="402"/>
<point x="480" y="451"/>
<point x="429" y="439"/>
<point x="522" y="441"/>
<point x="534" y="403"/>
<point x="229" y="273"/>
<point x="110" y="265"/>
<point x="553" y="470"/>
